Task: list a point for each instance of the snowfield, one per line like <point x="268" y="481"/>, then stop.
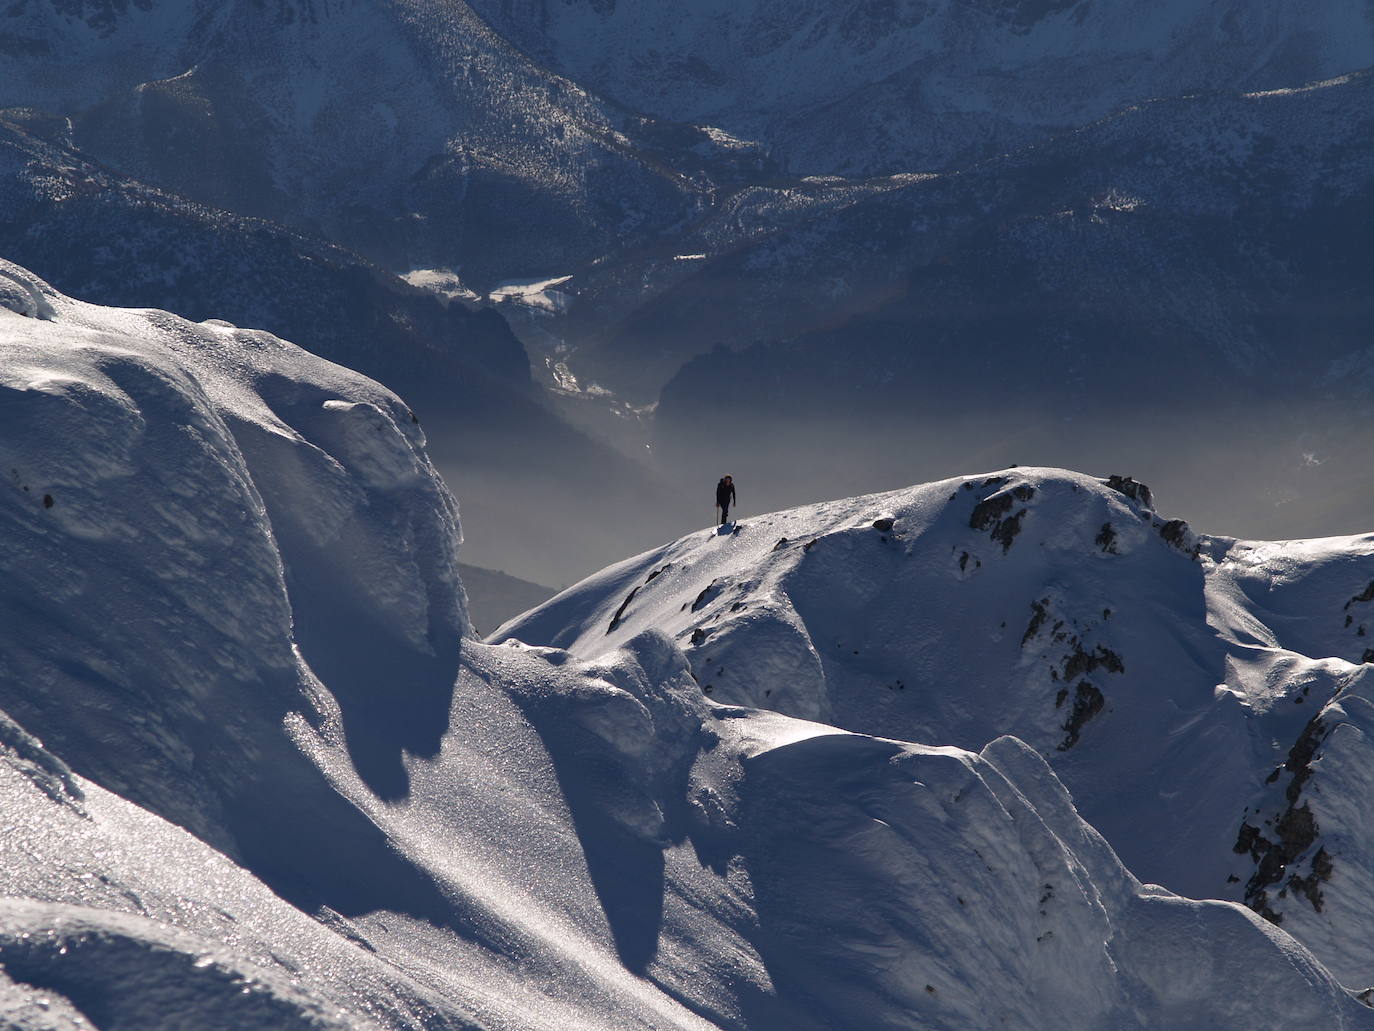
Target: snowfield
<point x="255" y="770"/>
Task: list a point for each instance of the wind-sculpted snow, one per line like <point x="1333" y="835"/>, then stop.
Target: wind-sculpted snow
<point x="254" y="774"/>
<point x="1184" y="687"/>
<point x="597" y="821"/>
<point x="191" y="514"/>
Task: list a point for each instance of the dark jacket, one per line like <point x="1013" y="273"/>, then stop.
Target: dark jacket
<point x="725" y="493"/>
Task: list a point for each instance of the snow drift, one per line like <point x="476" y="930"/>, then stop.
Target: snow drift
<point x="255" y="772"/>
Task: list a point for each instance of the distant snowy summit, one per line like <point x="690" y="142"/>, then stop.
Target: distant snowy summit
<point x="256" y="772"/>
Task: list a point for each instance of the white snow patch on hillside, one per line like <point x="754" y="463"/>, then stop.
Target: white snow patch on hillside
<point x="444" y="282"/>
<point x="534" y="293"/>
<point x="1339" y="80"/>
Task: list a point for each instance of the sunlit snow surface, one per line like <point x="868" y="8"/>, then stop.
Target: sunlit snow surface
<point x="1170" y="679"/>
<point x="230" y="604"/>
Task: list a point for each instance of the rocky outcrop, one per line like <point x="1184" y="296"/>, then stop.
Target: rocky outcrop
<point x="1275" y="844"/>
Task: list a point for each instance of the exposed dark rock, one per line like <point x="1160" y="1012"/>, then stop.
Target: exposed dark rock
<point x="990" y="510"/>
<point x="782" y="543"/>
<point x="1246" y="839"/>
<point x="1087" y="703"/>
<point x="883" y="524"/>
<point x="1309" y="887"/>
<point x="615" y="620"/>
<point x="1296" y="831"/>
<point x="1366" y="595"/>
<point x="1106" y="539"/>
<point x="993" y="514"/>
<point x="1040" y="611"/>
<point x="1133" y="489"/>
<point x="703" y="596"/>
<point x="699" y="635"/>
<point x="658" y="572"/>
<point x="1299" y="761"/>
<point x="1080" y="662"/>
<point x="1175" y="533"/>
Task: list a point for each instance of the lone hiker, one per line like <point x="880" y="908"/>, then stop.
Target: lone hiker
<point x="725" y="497"/>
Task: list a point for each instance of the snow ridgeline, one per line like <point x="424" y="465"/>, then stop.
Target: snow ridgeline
<point x="1204" y="699"/>
<point x="253" y="775"/>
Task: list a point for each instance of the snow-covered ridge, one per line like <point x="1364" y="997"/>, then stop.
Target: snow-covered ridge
<point x="229" y="594"/>
<point x="1185" y="687"/>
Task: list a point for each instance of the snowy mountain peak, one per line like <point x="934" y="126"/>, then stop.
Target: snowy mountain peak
<point x="879" y="560"/>
<point x="1179" y="683"/>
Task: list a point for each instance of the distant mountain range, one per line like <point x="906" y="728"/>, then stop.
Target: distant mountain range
<point x="409" y="131"/>
<point x="1180" y="289"/>
<point x="874" y="87"/>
